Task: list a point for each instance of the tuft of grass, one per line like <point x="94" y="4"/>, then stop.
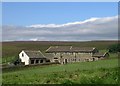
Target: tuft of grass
<point x="67" y="82"/>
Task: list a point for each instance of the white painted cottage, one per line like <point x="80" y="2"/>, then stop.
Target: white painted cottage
<point x="31" y="57"/>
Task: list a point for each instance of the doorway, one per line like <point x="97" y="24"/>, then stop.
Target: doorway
<point x="65" y="61"/>
<point x="93" y="59"/>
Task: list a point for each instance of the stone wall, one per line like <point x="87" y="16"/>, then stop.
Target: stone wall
<point x="72" y="57"/>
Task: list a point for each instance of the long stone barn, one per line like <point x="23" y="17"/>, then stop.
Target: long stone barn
<point x="69" y="54"/>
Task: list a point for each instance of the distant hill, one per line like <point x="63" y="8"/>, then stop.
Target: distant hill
<point x="13" y="48"/>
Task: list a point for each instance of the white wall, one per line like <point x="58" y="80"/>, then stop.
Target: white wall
<point x="24" y="58"/>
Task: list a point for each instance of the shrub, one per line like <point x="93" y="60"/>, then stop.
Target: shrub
<point x="114" y="48"/>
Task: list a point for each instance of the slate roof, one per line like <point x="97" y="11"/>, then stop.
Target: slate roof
<point x="82" y="49"/>
<point x="69" y="49"/>
<point x="34" y="54"/>
<point x="49" y="56"/>
<point x="100" y="54"/>
<point x="58" y="49"/>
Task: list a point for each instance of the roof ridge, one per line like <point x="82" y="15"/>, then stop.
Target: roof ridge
<point x="105" y="53"/>
<point x="48" y="48"/>
<point x="42" y="53"/>
<point x="30" y="50"/>
<point x="70" y="47"/>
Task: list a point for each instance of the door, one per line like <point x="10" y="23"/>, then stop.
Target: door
<point x="65" y="61"/>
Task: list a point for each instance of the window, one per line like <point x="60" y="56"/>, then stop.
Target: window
<point x="22" y="54"/>
<point x="75" y="60"/>
<point x="41" y="61"/>
<point x="37" y="61"/>
<point x="56" y="61"/>
<point x="32" y="61"/>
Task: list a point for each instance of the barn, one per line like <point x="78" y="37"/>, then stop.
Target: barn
<point x="69" y="54"/>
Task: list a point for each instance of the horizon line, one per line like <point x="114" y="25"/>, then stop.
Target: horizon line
<point x="59" y="41"/>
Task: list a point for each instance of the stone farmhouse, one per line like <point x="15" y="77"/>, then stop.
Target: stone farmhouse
<point x="62" y="55"/>
<point x="69" y="54"/>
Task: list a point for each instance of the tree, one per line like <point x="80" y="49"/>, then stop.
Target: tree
<point x="114" y="48"/>
<point x="17" y="61"/>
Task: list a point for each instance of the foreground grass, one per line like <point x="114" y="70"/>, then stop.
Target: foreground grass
<point x="99" y="76"/>
<point x="98" y="72"/>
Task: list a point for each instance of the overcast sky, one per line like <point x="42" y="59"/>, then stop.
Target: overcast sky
<point x="59" y="21"/>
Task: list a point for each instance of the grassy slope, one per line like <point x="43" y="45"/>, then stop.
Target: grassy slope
<point x="10" y="50"/>
<point x="102" y="71"/>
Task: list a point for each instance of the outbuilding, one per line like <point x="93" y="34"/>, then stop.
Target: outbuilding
<point x="32" y="57"/>
<point x="101" y="55"/>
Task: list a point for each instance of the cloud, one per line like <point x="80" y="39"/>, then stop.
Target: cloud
<point x="60" y="25"/>
<point x="90" y="29"/>
<point x="34" y="39"/>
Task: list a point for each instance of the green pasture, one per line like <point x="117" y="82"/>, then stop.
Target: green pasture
<point x="69" y="73"/>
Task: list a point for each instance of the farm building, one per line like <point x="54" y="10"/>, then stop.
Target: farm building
<point x="69" y="54"/>
<point x="32" y="57"/>
<point x="101" y="55"/>
<point x="62" y="54"/>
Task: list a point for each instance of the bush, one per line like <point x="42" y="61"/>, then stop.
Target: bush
<point x="114" y="48"/>
<point x="17" y="61"/>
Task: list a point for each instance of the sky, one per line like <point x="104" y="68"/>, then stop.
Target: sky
<point x="60" y="0"/>
<point x="28" y="13"/>
<point x="59" y="21"/>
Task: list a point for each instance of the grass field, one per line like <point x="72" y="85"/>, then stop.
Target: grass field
<point x="102" y="71"/>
